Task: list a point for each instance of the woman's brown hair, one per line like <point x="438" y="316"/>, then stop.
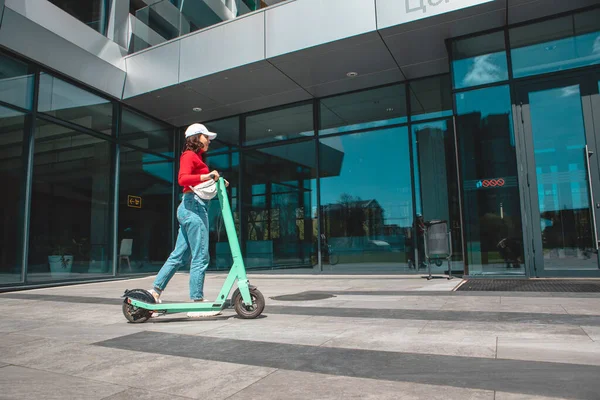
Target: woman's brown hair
<point x="193" y="143"/>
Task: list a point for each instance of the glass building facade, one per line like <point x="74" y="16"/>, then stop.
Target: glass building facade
<point x="75" y="164"/>
<point x="501" y="148"/>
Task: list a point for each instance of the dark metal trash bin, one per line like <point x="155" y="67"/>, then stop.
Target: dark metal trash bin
<point x="438" y="244"/>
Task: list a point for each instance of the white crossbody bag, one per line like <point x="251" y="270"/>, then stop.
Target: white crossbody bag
<point x="205" y="190"/>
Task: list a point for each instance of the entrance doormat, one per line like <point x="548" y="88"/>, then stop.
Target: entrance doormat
<point x="533" y="285"/>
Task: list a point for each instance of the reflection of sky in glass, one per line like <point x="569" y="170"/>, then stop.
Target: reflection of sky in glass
<point x="480" y="70"/>
<point x="489" y="101"/>
<point x="557" y="55"/>
<point x="376" y="166"/>
<point x="559" y="142"/>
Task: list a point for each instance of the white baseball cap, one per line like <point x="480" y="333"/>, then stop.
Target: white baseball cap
<point x="199" y="129"/>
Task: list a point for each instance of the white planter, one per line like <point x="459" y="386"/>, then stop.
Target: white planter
<point x="60" y="265"/>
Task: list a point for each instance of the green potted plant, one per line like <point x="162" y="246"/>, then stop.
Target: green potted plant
<point x="61" y="260"/>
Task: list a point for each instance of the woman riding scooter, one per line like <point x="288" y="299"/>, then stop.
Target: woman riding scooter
<point x="192" y="214"/>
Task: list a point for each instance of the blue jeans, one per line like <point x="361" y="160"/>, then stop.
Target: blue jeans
<point x="192" y="240"/>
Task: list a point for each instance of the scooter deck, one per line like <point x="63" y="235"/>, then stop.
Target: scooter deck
<point x="170" y="308"/>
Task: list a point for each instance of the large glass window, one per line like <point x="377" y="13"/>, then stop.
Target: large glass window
<point x="556" y="45"/>
<point x="279" y="201"/>
<point x="146" y="133"/>
<point x="228" y="131"/>
<point x="70" y="103"/>
<point x="431" y="98"/>
<point x="93" y="13"/>
<point x="70" y="205"/>
<point x="366" y="200"/>
<point x="286" y="123"/>
<point x="492" y="212"/>
<point x="145" y="211"/>
<point x="12" y="125"/>
<point x="479" y="60"/>
<point x="16" y="82"/>
<point x="363" y="110"/>
<point x="436" y="183"/>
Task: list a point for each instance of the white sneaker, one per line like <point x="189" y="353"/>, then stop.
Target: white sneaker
<point x="156" y="296"/>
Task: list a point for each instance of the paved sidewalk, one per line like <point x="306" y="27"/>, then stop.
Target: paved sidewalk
<point x="365" y="337"/>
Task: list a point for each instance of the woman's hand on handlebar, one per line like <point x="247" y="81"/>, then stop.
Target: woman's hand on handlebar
<point x="215" y="175"/>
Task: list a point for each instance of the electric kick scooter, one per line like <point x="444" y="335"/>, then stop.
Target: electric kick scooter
<point x="247" y="300"/>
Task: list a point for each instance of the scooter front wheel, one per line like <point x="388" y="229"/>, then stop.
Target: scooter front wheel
<point x="252" y="311"/>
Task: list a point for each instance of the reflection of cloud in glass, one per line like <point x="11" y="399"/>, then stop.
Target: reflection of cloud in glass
<point x="482" y="71"/>
<point x="570" y="91"/>
<point x="596" y="48"/>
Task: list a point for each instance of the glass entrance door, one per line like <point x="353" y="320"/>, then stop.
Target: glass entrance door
<point x="561" y="175"/>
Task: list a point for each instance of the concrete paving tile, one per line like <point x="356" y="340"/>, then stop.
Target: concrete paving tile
<point x="593" y="332"/>
<point x="507" y="329"/>
<point x="519" y="396"/>
<point x="307" y="332"/>
<point x="370" y="322"/>
<point x="475" y="300"/>
<point x="582" y="309"/>
<point x="410" y="341"/>
<point x="140" y="394"/>
<point x="83" y="333"/>
<point x="395" y="305"/>
<point x="572" y="352"/>
<point x="493" y="307"/>
<point x="178" y="375"/>
<point x="11" y="325"/>
<point x="185" y="325"/>
<point x="34" y="350"/>
<point x="333" y="302"/>
<point x="13" y="339"/>
<point x="563" y="301"/>
<point x="25" y="383"/>
<point x="67" y="358"/>
<point x="80" y="358"/>
<point x="291" y="385"/>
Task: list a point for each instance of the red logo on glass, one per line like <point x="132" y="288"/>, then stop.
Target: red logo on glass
<point x="491" y="183"/>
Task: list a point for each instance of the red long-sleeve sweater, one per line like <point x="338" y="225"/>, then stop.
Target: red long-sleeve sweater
<point x="191" y="167"/>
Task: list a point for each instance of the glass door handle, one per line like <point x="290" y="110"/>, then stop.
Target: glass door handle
<point x="588" y="154"/>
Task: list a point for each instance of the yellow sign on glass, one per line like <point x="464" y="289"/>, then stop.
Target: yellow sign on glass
<point x="134" y="201"/>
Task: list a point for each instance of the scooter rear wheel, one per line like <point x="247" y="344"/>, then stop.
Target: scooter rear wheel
<point x="249" y="312"/>
<point x="134" y="314"/>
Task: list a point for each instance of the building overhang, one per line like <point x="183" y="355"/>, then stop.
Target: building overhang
<point x="302" y="49"/>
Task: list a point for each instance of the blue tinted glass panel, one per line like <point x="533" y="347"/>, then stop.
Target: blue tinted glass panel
<point x="228" y="134"/>
<point x="487" y="155"/>
<point x="93" y="13"/>
<point x="556" y="45"/>
<point x="279" y="194"/>
<point x="16" y="83"/>
<point x="431" y="98"/>
<point x="71" y="103"/>
<point x="363" y="110"/>
<point x="12" y="129"/>
<point x="479" y="60"/>
<point x="436" y="182"/>
<point x="145" y="233"/>
<point x="279" y="125"/>
<point x="366" y="200"/>
<point x="146" y="133"/>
